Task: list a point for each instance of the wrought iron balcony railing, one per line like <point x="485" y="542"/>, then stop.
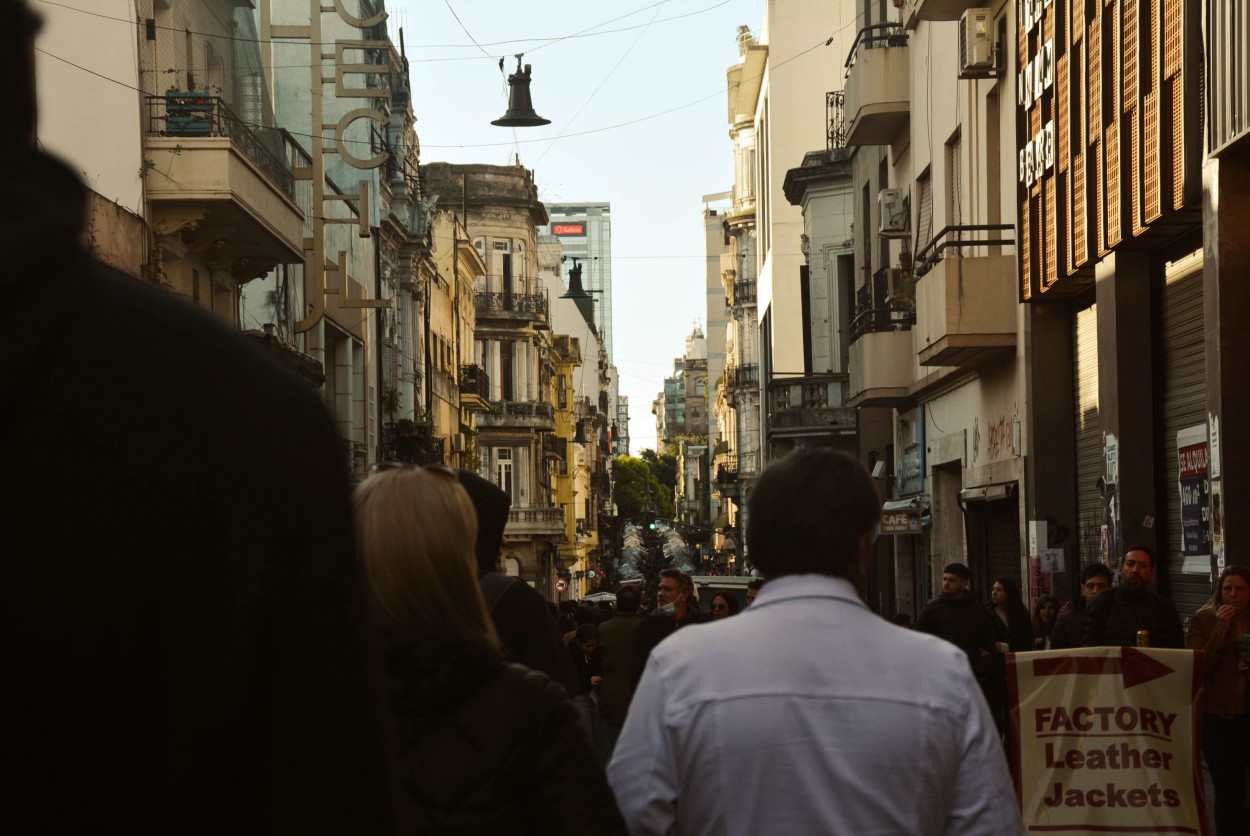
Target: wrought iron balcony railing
<point x="531" y="303"/>
<point x="199" y="115"/>
<point x="960" y="238"/>
<point x="835" y="119"/>
<point x="474" y="381"/>
<point x="874" y="37"/>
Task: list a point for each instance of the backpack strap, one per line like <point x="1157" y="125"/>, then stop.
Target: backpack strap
<point x="494" y="585"/>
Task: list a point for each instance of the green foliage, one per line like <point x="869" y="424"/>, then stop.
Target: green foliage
<point x="664" y="468"/>
<point x="639" y="495"/>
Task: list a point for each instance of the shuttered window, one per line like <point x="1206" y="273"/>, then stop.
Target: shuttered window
<point x="1183" y="397"/>
<point x="1089" y="459"/>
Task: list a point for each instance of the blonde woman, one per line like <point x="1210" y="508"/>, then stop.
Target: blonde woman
<point x="485" y="747"/>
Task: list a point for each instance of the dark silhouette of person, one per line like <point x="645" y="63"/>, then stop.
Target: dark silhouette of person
<point x="182" y="616"/>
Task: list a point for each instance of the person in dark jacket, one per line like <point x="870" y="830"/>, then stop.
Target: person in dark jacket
<point x="677" y="607"/>
<point x="1116" y="616"/>
<point x="616" y="643"/>
<point x="588" y="662"/>
<point x="486" y="746"/>
<point x="183" y="620"/>
<point x="1095" y="577"/>
<point x="956" y="617"/>
<point x="1013" y="633"/>
<point x="521" y="616"/>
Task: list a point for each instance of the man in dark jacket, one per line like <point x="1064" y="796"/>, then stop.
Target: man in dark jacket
<point x="1095" y="577"/>
<point x="182" y="619"/>
<point x="1115" y="616"/>
<point x="521" y="616"/>
<point x="616" y="643"/>
<point x="956" y="617"/>
<point x="677" y="607"/>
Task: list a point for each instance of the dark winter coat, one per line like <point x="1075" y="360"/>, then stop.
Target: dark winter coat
<point x="488" y="747"/>
<point x="616" y="643"/>
<point x="182" y="619"/>
<point x="963" y="623"/>
<point x="654" y="629"/>
<point x="529" y="633"/>
<point x="1067" y="632"/>
<point x="1115" y="616"/>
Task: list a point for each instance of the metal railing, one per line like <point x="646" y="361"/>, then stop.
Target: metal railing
<point x="474" y="381"/>
<point x="555" y="447"/>
<point x="874" y="37"/>
<point x="961" y="237"/>
<point x="200" y="115"/>
<point x="745" y="292"/>
<point x="878" y="320"/>
<point x="522" y="409"/>
<point x="489" y="302"/>
<point x="835" y="119"/>
<point x="810" y="402"/>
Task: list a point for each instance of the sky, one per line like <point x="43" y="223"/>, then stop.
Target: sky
<point x="635" y="91"/>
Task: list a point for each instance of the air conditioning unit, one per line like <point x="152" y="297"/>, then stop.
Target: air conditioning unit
<point x="457" y="442"/>
<point x="893" y="213"/>
<point x="976" y="43"/>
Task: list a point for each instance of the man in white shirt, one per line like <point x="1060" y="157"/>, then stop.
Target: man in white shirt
<point x="807" y="713"/>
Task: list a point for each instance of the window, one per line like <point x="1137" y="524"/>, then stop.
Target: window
<point x="503" y="470"/>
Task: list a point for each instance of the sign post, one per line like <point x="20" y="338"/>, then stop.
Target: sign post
<point x="1106" y="740"/>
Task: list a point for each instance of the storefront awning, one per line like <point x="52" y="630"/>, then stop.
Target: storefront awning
<point x="905" y="516"/>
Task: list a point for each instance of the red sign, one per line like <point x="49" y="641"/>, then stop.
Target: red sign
<point x="561" y="584"/>
<point x="568" y="229"/>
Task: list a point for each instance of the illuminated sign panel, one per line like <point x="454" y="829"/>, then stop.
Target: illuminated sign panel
<point x="578" y="229"/>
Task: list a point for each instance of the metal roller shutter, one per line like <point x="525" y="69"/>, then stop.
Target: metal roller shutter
<point x="1089" y="460"/>
<point x="1183" y="401"/>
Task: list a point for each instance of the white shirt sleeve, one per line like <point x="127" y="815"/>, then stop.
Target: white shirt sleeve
<point x="984" y="801"/>
<point x="643" y="771"/>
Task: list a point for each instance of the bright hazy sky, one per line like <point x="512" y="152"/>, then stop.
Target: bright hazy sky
<point x="635" y="91"/>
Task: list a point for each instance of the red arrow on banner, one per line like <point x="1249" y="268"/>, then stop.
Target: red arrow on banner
<point x="1136" y="667"/>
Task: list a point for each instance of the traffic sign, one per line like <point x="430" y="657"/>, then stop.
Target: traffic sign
<point x="561" y="584"/>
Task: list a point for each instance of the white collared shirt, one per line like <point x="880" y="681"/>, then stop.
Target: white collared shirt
<point x="808" y="714"/>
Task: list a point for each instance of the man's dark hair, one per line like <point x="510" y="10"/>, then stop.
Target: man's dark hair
<point x="585" y="615"/>
<point x="957" y="569"/>
<point x="586" y="632"/>
<point x="1093" y="570"/>
<point x="683" y="580"/>
<point x="1141" y="547"/>
<point x="757" y="584"/>
<point x="628" y="599"/>
<point x="808" y="512"/>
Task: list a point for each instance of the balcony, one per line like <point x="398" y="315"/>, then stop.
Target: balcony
<point x="520" y="308"/>
<point x="555" y="447"/>
<point x="835" y="119"/>
<point x="746" y="376"/>
<point x="220" y="187"/>
<point x="528" y="523"/>
<point x="519" y="415"/>
<point x="474" y="388"/>
<point x="810" y="405"/>
<point x="727" y="480"/>
<point x="881" y="357"/>
<point x="966" y="306"/>
<point x="743" y="292"/>
<point x="931" y="10"/>
<point x="877" y="85"/>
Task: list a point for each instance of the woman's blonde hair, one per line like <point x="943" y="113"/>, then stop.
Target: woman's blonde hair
<point x="416" y="530"/>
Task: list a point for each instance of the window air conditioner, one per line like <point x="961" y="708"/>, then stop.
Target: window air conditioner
<point x="457" y="442"/>
<point x="976" y="43"/>
<point x="893" y="214"/>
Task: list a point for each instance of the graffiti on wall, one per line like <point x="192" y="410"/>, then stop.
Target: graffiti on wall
<point x="1000" y="435"/>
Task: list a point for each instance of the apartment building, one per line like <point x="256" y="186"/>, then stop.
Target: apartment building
<point x="502" y="214"/>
